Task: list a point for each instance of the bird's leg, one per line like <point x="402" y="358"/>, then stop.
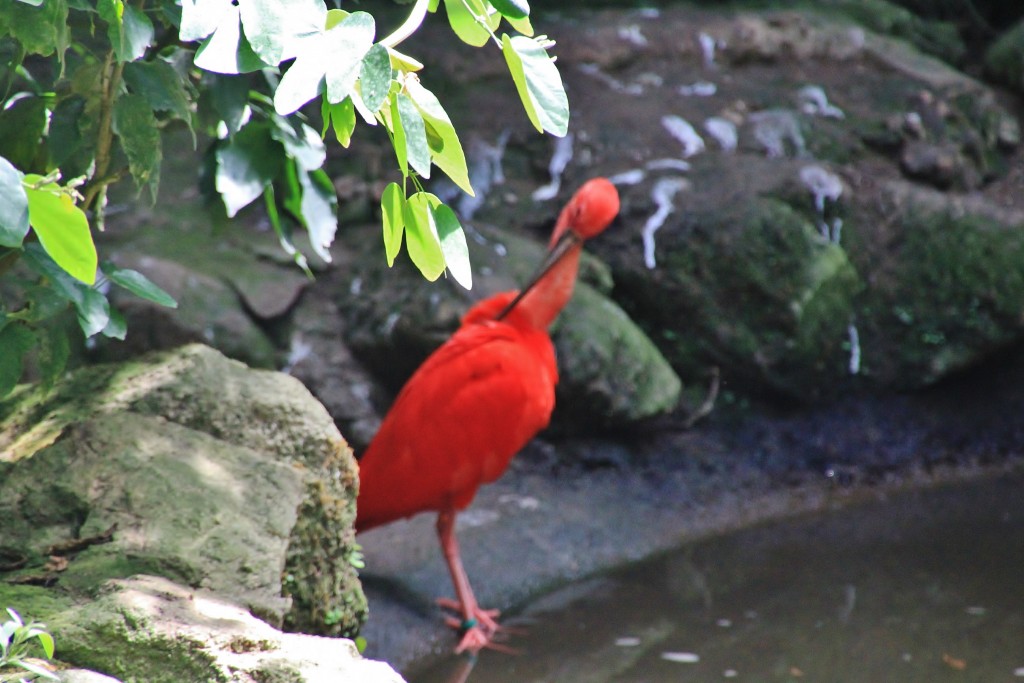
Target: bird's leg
<point x="477" y="625"/>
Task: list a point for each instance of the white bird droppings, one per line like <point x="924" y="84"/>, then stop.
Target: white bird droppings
<point x="681" y="657"/>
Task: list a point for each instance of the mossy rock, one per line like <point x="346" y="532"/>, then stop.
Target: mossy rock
<point x="946" y="294"/>
<point x="147" y="629"/>
<point x="1004" y="60"/>
<point x="609" y="366"/>
<point x="755" y="289"/>
<point x="200" y="470"/>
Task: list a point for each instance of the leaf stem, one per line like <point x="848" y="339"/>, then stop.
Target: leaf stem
<point x="409" y="26"/>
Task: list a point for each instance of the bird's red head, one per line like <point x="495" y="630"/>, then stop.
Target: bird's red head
<point x="590" y="211"/>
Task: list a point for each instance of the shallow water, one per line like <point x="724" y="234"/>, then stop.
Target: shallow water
<point x="924" y="586"/>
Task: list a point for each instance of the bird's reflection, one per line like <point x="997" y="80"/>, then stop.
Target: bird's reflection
<point x="461" y="667"/>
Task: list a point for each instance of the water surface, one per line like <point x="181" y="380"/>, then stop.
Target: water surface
<point x="924" y="586"/>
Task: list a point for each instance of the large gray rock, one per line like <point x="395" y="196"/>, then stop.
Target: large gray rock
<point x="190" y="466"/>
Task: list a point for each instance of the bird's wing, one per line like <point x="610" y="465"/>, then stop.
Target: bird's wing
<point x="469" y="408"/>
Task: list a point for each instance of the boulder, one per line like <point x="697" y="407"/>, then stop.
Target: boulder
<point x="1004" y="59"/>
<point x="148" y="628"/>
<point x="752" y="287"/>
<point x="190" y="466"/>
<point x="946" y="278"/>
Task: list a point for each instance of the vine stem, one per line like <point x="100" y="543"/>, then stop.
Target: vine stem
<point x="110" y="80"/>
<point x="409" y="26"/>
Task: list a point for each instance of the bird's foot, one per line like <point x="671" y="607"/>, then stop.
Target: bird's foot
<point x="478" y="631"/>
<point x="486" y="619"/>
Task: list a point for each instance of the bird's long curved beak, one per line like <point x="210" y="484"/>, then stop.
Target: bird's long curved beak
<point x="565" y="243"/>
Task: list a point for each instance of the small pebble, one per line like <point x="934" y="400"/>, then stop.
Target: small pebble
<point x="730" y="673"/>
<point x="1019" y="672"/>
<point x="976" y="611"/>
<point x="724" y="623"/>
<point x="627" y="642"/>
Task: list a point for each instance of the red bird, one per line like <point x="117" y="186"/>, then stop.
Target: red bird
<point x="476" y="401"/>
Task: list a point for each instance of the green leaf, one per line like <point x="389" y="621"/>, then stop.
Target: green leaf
<point x="342" y="119"/>
<point x="303" y="81"/>
<point x="398" y="136"/>
<point x="522" y="25"/>
<point x="38" y="260"/>
<point x="65" y="133"/>
<point x="229" y="96"/>
<point x="138" y="284"/>
<point x="226" y="50"/>
<point x="538" y="82"/>
<point x="46" y="640"/>
<point x="90" y="305"/>
<point x="513" y="9"/>
<point x="453" y="244"/>
<point x="283" y="231"/>
<point x="137" y="129"/>
<point x="445" y="148"/>
<point x="93" y="312"/>
<point x="415" y="135"/>
<point x="246" y="164"/>
<point x="37" y="670"/>
<point x="22" y="123"/>
<point x="44" y="302"/>
<point x="16" y="340"/>
<point x="346" y="46"/>
<point x="392" y="208"/>
<point x="41" y="30"/>
<point x="116" y="327"/>
<point x="421" y="237"/>
<point x="160" y="85"/>
<point x="375" y="77"/>
<point x="276" y="29"/>
<point x="62" y="229"/>
<point x="52" y="353"/>
<point x="319" y="211"/>
<point x="330" y="59"/>
<point x="13" y="206"/>
<point x="462" y="20"/>
<point x="200" y="18"/>
<point x="304" y="145"/>
<point x="129" y="30"/>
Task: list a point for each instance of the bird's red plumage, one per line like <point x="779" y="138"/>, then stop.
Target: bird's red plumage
<point x="459" y="420"/>
<point x="476" y="401"/>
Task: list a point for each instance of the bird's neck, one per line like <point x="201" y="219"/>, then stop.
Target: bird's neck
<point x="542" y="304"/>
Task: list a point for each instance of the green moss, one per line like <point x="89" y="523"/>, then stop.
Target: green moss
<point x="276" y="673"/>
<point x="593" y="335"/>
<point x="119" y="643"/>
<point x="33" y="602"/>
<point x="756" y="289"/>
<point x="1004" y="60"/>
<point x="319" y="574"/>
<point x="959" y="293"/>
<point x="938" y="38"/>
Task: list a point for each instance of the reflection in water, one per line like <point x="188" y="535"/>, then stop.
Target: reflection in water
<point x="927" y="586"/>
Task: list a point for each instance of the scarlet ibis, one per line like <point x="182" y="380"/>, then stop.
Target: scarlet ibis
<point x="475" y="402"/>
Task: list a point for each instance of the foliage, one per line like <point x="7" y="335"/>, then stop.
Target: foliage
<point x="16" y="645"/>
<point x="88" y="86"/>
